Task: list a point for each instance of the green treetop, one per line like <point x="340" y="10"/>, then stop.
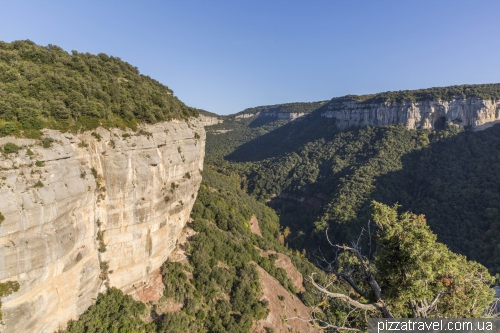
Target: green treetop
<point x="48" y="87"/>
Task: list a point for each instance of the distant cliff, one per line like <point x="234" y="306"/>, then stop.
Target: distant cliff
<point x="92" y="210"/>
<point x="290" y="111"/>
<point x="475" y="106"/>
<point x="279" y="115"/>
<point x="470" y="112"/>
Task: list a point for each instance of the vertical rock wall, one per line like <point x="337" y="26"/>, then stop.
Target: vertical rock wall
<point x="92" y="211"/>
<point x="472" y="112"/>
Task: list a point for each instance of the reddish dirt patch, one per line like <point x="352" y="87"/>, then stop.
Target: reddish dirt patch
<point x="254" y="226"/>
<point x="285" y="309"/>
<point x="151" y="290"/>
<point x="285" y="262"/>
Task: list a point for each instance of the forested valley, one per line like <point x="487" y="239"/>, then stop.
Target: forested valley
<point x="294" y="200"/>
<point x="327" y="185"/>
<point x="317" y="177"/>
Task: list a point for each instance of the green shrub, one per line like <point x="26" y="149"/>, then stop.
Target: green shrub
<point x="112" y="312"/>
<point x="11" y="148"/>
<point x="97" y="136"/>
<point x="146" y="133"/>
<point x="47" y="142"/>
<point x="7" y="288"/>
<point x="83" y="144"/>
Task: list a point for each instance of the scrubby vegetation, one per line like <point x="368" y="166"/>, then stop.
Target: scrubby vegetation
<point x="46" y="87"/>
<point x="218" y="290"/>
<point x="410" y="275"/>
<point x="483" y="91"/>
<point x="316" y="176"/>
<point x="299" y="107"/>
<point x="7" y="288"/>
<point x="298" y="178"/>
<point x="113" y="312"/>
<point x="11" y="148"/>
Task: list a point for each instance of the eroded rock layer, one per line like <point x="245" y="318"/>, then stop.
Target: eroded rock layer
<point x="93" y="210"/>
<point x="279" y="115"/>
<point x="470" y="112"/>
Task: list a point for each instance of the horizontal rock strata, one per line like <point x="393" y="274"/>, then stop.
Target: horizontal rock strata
<point x="469" y="112"/>
<point x="93" y="210"/>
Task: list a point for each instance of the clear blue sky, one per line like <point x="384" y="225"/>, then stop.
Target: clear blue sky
<point x="225" y="56"/>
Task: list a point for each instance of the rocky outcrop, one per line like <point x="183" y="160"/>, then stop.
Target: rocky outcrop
<point x="287" y="313"/>
<point x="470" y="112"/>
<point x="208" y="120"/>
<point x="279" y="115"/>
<point x="91" y="211"/>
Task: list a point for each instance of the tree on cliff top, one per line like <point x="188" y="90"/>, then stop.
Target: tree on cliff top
<point x="411" y="275"/>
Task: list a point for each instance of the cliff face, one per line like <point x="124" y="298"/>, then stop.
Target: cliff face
<point x="91" y="211"/>
<point x="279" y="115"/>
<point x="473" y="112"/>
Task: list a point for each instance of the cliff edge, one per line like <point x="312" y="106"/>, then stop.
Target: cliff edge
<point x="470" y="112"/>
<point x="90" y="211"/>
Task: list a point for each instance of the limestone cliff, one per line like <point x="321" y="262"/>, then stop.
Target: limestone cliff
<point x="472" y="112"/>
<point x="92" y="210"/>
<point x="279" y="115"/>
<point x="289" y="111"/>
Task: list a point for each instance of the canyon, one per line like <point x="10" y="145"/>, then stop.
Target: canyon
<point x="84" y="212"/>
<point x="106" y="208"/>
<point x="471" y="112"/>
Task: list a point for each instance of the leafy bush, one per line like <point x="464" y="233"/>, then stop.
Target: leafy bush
<point x="11" y="148"/>
<point x="7" y="288"/>
<point x="97" y="136"/>
<point x="47" y="142"/>
<point x="113" y="312"/>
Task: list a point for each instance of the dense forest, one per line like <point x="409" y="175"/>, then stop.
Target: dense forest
<point x="46" y="87"/>
<point x="317" y="177"/>
<point x="483" y="91"/>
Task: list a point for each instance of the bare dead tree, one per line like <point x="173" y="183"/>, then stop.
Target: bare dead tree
<point x="365" y="271"/>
